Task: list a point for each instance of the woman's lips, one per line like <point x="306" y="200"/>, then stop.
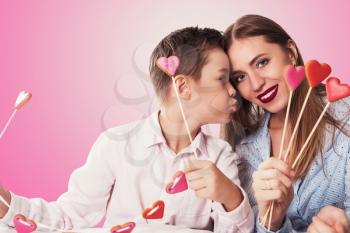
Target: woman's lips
<point x="268" y="95"/>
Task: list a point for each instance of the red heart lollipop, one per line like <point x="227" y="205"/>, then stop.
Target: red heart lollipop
<point x="155" y="212"/>
<point x="336" y="90"/>
<point x="316" y="72"/>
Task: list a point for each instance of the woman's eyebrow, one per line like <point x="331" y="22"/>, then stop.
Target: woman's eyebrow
<point x="251" y="62"/>
<point x="256" y="58"/>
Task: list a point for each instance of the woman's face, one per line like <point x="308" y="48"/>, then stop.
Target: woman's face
<point x="257" y="72"/>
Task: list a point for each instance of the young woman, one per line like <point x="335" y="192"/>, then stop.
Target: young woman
<point x="259" y="49"/>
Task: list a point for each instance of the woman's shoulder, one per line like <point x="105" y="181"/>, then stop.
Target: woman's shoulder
<point x="340" y="112"/>
<point x="336" y="139"/>
<point x="340" y="109"/>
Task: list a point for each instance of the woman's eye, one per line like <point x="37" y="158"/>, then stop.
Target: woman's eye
<point x="239" y="78"/>
<point x="262" y="63"/>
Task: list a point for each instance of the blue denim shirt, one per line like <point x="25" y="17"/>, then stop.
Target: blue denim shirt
<point x="326" y="183"/>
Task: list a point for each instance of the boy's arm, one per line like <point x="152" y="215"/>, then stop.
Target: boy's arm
<point x="83" y="205"/>
<point x="5" y="199"/>
<point x="240" y="219"/>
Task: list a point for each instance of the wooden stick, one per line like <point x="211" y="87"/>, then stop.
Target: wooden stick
<point x="183" y="115"/>
<point x="281" y="147"/>
<point x="310" y="135"/>
<point x="4" y="202"/>
<point x="285" y="124"/>
<point x="8" y="123"/>
<point x="297" y="123"/>
<point x="263" y="222"/>
<point x="270" y="219"/>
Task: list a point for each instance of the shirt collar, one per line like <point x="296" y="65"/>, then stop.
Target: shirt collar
<point x="152" y="131"/>
<point x="153" y="135"/>
<point x="261" y="138"/>
<point x="199" y="144"/>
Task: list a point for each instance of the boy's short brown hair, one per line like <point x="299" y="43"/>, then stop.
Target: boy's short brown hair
<point x="191" y="45"/>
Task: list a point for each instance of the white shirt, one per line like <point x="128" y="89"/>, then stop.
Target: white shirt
<point x="126" y="171"/>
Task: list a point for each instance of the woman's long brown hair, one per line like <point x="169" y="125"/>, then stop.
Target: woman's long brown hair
<point x="248" y="118"/>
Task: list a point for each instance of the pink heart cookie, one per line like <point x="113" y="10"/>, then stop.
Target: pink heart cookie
<point x="23" y="225"/>
<point x="178" y="184"/>
<point x="168" y="64"/>
<point x="294" y="76"/>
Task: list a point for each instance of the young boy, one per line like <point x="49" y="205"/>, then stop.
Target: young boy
<point x="129" y="166"/>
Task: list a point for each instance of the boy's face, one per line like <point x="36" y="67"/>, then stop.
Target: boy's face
<point x="212" y="95"/>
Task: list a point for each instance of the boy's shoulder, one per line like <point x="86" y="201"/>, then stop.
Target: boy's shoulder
<point x="218" y="145"/>
<point x="127" y="131"/>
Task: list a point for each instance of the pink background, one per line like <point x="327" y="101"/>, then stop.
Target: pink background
<point x="79" y="58"/>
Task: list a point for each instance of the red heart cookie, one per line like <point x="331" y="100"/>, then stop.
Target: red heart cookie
<point x="336" y="90"/>
<point x="155" y="212"/>
<point x="23" y="225"/>
<point x="316" y="72"/>
<point x="178" y="183"/>
<point x="125" y="228"/>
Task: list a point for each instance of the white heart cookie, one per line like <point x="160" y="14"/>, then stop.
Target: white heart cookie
<point x="22" y="99"/>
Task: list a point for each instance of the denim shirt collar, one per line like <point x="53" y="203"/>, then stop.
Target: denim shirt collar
<point x="261" y="132"/>
<point x="261" y="137"/>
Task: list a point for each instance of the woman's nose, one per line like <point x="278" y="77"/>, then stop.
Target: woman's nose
<point x="257" y="82"/>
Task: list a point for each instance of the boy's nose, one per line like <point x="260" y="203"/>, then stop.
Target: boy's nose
<point x="230" y="89"/>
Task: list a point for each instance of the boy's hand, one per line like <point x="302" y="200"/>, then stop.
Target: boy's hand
<point x="7" y="196"/>
<point x="209" y="182"/>
<point x="330" y="220"/>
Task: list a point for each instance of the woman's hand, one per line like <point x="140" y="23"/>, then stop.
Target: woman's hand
<point x="7" y="197"/>
<point x="209" y="182"/>
<point x="273" y="182"/>
<point x="330" y="220"/>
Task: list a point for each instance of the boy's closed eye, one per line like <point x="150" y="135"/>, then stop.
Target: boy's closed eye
<point x="223" y="78"/>
<point x="224" y="75"/>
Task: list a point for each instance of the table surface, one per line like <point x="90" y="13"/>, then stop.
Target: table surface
<point x="144" y="228"/>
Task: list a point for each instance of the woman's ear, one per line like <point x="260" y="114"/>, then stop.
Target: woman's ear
<point x="183" y="86"/>
<point x="292" y="51"/>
